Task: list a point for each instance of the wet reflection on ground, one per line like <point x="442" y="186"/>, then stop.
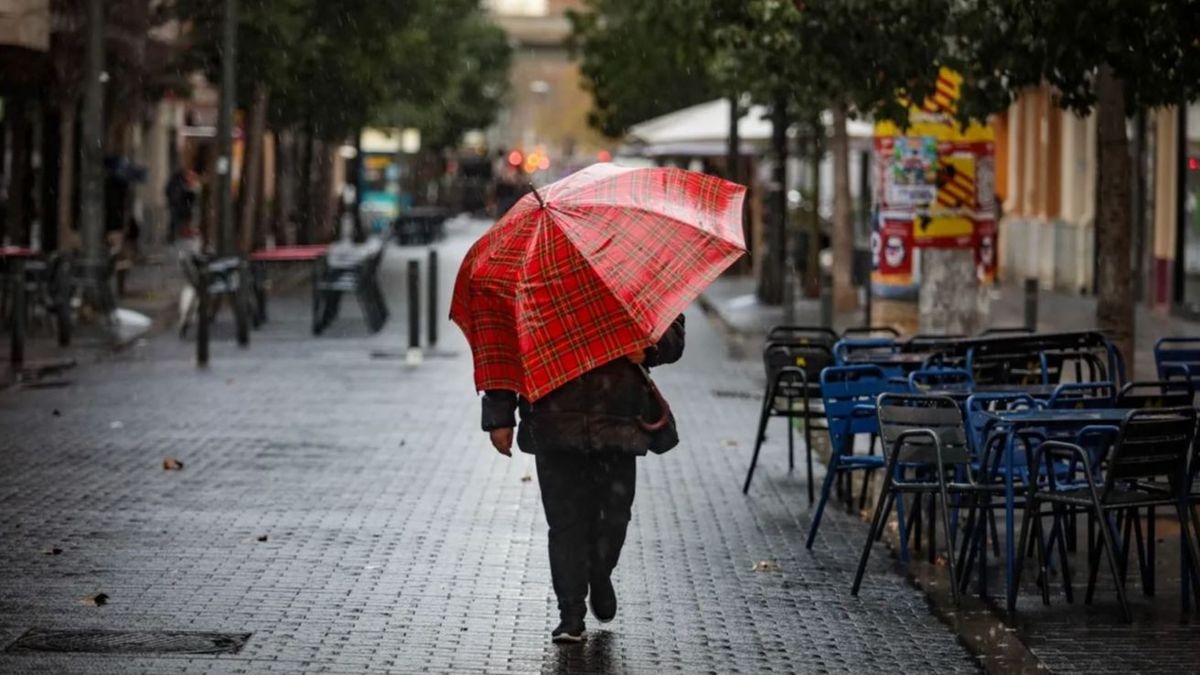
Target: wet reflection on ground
<point x="598" y="654"/>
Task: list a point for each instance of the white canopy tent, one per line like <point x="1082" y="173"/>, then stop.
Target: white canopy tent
<point x="703" y="130"/>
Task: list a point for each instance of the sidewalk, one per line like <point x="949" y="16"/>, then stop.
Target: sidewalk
<point x="344" y="510"/>
<point x="732" y="301"/>
<point x="152" y="289"/>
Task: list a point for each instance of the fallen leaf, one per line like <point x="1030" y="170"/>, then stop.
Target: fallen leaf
<point x="116" y="424"/>
<point x="262" y="537"/>
<point x="765" y="566"/>
<point x="52" y="551"/>
<point x="730" y="443"/>
<point x="172" y="464"/>
<point x="94" y="600"/>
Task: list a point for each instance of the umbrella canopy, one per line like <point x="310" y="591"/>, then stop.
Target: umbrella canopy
<point x="592" y="268"/>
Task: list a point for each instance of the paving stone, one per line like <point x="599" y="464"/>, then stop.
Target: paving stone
<point x="398" y="541"/>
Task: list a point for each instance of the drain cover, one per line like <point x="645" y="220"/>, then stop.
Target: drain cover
<point x="128" y="642"/>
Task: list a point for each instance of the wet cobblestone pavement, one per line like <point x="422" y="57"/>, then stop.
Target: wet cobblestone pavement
<point x="395" y="538"/>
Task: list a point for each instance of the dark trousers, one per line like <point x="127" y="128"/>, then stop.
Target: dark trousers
<point x="587" y="498"/>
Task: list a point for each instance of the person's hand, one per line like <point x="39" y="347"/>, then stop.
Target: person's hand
<point x="638" y="357"/>
<point x="502" y="440"/>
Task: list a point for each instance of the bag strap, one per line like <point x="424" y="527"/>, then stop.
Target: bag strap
<point x="665" y="419"/>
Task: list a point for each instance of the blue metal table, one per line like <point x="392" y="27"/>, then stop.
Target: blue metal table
<point x="1060" y="421"/>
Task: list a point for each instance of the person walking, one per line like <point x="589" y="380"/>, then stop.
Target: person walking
<point x="586" y="436"/>
<point x="567" y="302"/>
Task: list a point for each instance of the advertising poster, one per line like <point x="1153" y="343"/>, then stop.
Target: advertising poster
<point x="935" y="188"/>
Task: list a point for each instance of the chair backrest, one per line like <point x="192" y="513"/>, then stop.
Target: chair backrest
<point x="783" y="359"/>
<point x="945" y="379"/>
<point x="1152" y="443"/>
<point x="1042" y="358"/>
<point x="901" y="413"/>
<point x="1156" y="395"/>
<point x="981" y="408"/>
<point x="871" y="332"/>
<point x="803" y="335"/>
<point x="859" y="351"/>
<point x="1083" y="395"/>
<point x="1178" y="357"/>
<point x="845" y="390"/>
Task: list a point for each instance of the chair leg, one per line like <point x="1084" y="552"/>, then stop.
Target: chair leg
<point x="791" y="441"/>
<point x="1029" y="522"/>
<point x="1151" y="545"/>
<point x="1187" y="528"/>
<point x="866" y="485"/>
<point x="758" y="441"/>
<point x="945" y="502"/>
<point x="808" y="457"/>
<point x="900" y="521"/>
<point x="1061" y="523"/>
<point x="933" y="499"/>
<point x="967" y="532"/>
<point x="876" y="527"/>
<point x="1108" y="536"/>
<point x="826" y="486"/>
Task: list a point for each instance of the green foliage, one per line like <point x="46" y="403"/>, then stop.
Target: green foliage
<point x="335" y="67"/>
<point x="1002" y="46"/>
<point x="477" y="84"/>
<point x="643" y="59"/>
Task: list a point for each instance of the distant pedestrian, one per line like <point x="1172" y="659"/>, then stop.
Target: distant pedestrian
<point x="181" y="199"/>
<point x="585" y="436"/>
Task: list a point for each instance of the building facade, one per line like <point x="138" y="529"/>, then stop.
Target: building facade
<point x="547" y="109"/>
<point x="1046" y="181"/>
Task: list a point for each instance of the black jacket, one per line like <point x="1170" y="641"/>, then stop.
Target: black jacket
<point x="595" y="412"/>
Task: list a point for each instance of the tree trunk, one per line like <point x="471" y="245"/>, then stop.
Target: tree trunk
<point x="252" y="168"/>
<point x="355" y="178"/>
<point x="307" y="203"/>
<point x="733" y="153"/>
<point x="15" y="229"/>
<point x="326" y="200"/>
<point x="771" y="286"/>
<point x="845" y="298"/>
<point x="812" y="263"/>
<point x="951" y="301"/>
<point x="285" y="187"/>
<point x="1114" y="307"/>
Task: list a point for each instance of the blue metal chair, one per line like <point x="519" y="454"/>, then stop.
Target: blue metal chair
<point x="849" y="394"/>
<point x="793" y="392"/>
<point x="1083" y="395"/>
<point x="1147" y="466"/>
<point x="926" y="433"/>
<point x="940" y="379"/>
<point x="1178" y="358"/>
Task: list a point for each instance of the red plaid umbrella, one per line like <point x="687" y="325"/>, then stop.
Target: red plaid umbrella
<point x="592" y="268"/>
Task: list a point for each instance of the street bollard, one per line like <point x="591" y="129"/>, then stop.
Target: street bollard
<point x="826" y="301"/>
<point x="18" y="307"/>
<point x="202" y="313"/>
<point x="867" y="299"/>
<point x="1031" y="304"/>
<point x="413" y="356"/>
<point x="433" y="298"/>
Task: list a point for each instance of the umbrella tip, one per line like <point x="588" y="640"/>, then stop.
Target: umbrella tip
<point x="541" y="202"/>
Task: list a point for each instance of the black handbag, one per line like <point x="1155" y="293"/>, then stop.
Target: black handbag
<point x="663" y="433"/>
